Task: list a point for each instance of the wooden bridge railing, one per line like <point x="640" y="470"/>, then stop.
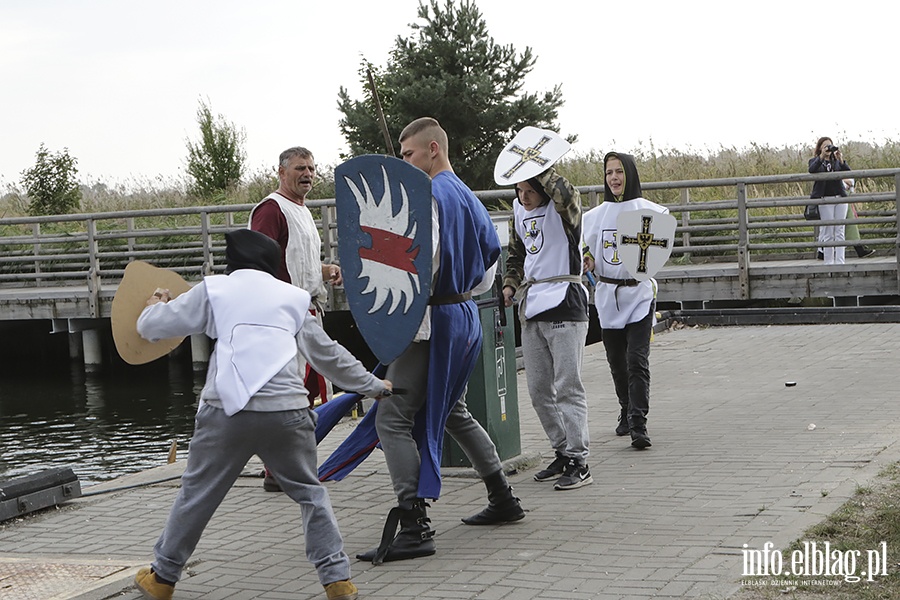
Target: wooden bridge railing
<point x="93" y="249"/>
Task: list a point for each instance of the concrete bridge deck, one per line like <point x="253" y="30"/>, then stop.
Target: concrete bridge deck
<point x="685" y="285"/>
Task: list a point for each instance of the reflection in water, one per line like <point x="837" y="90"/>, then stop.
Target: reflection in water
<point x="101" y="425"/>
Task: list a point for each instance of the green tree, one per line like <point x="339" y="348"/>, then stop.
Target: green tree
<point x="451" y="69"/>
<point x="50" y="184"/>
<point x="217" y="162"/>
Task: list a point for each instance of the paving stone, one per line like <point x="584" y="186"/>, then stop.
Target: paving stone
<point x="733" y="462"/>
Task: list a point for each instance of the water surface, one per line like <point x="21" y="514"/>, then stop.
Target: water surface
<point x="120" y="420"/>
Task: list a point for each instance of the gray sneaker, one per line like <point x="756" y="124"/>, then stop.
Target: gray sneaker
<point x="554" y="469"/>
<point x="575" y="476"/>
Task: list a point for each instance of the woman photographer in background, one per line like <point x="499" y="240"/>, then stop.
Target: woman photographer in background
<point x="828" y="159"/>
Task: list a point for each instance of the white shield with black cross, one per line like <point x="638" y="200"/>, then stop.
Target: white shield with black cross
<point x="644" y="241"/>
<point x="530" y="153"/>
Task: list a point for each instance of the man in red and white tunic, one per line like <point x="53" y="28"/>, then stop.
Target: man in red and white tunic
<point x="284" y="217"/>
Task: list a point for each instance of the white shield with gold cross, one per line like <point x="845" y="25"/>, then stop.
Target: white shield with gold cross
<point x="644" y="241"/>
<point x="530" y="153"/>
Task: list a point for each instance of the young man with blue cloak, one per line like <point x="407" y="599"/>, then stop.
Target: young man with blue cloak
<point x="432" y="373"/>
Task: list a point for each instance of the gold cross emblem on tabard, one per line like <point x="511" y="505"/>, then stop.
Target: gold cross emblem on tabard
<point x="532" y="235"/>
<point x="607" y="244"/>
<point x="644" y="239"/>
<point x="532" y="154"/>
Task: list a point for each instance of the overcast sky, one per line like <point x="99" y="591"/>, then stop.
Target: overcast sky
<point x="117" y="82"/>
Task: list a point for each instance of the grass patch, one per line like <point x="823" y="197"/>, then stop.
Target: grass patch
<point x="866" y="521"/>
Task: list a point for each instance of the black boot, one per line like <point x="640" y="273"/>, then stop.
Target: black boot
<point x="639" y="437"/>
<point x="414" y="540"/>
<point x="862" y="251"/>
<point x="623" y="427"/>
<point x="503" y="506"/>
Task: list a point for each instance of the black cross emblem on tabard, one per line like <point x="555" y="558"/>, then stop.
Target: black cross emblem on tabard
<point x="644" y="240"/>
<point x="532" y="154"/>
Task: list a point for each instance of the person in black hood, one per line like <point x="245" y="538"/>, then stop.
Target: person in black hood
<point x="254" y="402"/>
<point x="248" y="249"/>
<point x="625" y="306"/>
<point x="626" y="183"/>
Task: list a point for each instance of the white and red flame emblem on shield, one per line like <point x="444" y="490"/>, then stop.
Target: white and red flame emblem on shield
<point x="384" y="243"/>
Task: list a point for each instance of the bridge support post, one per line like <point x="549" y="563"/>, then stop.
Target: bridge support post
<point x="199" y="351"/>
<point x="93" y="354"/>
<point x="75" y="348"/>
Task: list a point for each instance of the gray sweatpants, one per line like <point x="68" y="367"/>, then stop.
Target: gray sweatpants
<point x="553" y="352"/>
<point x="396" y="415"/>
<point x="219" y="450"/>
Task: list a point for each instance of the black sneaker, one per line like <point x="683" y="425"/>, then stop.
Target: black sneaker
<point x="554" y="469"/>
<point x="864" y="252"/>
<point x="576" y="475"/>
<point x="820" y="255"/>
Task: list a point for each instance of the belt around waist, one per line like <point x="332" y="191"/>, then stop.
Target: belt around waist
<point x="625" y="282"/>
<point x="452" y="299"/>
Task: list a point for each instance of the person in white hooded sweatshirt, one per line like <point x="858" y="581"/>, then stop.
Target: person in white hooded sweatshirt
<point x="253" y="402"/>
<point x="625" y="306"/>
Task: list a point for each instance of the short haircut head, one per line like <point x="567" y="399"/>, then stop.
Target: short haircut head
<point x="429" y="129"/>
<point x="285" y="158"/>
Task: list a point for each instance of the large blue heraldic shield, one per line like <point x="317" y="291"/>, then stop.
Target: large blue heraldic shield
<point x="644" y="241"/>
<point x="384" y="244"/>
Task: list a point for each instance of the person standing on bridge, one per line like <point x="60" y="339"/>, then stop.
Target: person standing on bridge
<point x="284" y="217"/>
<point x="544" y="268"/>
<point x="253" y="402"/>
<point x="626" y="307"/>
<point x="828" y="159"/>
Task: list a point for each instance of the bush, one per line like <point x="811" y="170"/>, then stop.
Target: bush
<point x="51" y="185"/>
<point x="217" y="162"/>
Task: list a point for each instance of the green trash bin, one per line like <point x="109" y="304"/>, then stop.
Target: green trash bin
<point x="492" y="395"/>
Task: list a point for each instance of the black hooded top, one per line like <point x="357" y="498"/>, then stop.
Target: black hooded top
<point x="247" y="249"/>
<point x="632" y="179"/>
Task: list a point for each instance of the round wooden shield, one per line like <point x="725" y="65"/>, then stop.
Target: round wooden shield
<point x="140" y="281"/>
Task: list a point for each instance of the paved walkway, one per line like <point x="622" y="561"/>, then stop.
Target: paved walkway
<point x="735" y="460"/>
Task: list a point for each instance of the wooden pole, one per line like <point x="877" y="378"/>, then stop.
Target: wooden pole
<point x="381" y="120"/>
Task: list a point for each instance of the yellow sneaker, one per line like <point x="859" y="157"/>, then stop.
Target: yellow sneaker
<point x="146" y="582"/>
<point x="341" y="590"/>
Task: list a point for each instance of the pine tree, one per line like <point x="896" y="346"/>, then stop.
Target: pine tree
<point x="450" y="68"/>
